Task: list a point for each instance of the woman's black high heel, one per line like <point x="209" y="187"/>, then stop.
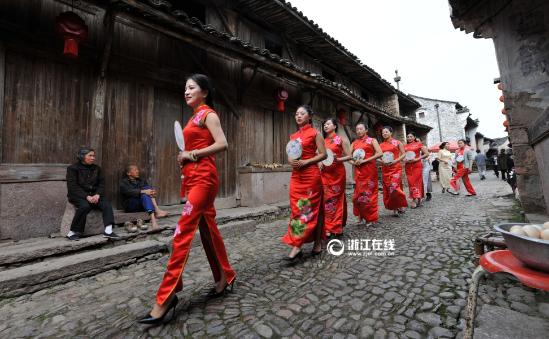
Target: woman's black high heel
<point x="150" y="320"/>
<point x="216" y="294"/>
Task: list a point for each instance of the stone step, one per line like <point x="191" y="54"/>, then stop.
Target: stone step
<point x="34" y="277"/>
<point x="30" y="251"/>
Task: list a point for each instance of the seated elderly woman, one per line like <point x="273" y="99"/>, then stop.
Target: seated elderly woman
<point x="86" y="191"/>
<point x="139" y="196"/>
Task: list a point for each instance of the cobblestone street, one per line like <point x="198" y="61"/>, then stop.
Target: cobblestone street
<point x="419" y="292"/>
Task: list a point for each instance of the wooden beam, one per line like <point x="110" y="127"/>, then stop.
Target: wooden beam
<point x="224" y="20"/>
<point x="287" y="46"/>
<point x="98" y="106"/>
<point x="14" y="173"/>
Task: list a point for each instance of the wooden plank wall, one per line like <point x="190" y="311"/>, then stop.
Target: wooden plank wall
<point x="47" y="103"/>
<point x="46" y="109"/>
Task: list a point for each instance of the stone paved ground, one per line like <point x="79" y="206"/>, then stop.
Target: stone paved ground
<point x="418" y="292"/>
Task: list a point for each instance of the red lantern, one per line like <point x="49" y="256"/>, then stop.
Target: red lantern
<point x="73" y="30"/>
<point x="281" y="97"/>
<point x="342" y="116"/>
<point x="506" y="123"/>
<point x="502" y="98"/>
<point x="500" y="86"/>
<point x="503" y="111"/>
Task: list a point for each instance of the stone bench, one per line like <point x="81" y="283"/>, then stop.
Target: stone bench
<point x="94" y="221"/>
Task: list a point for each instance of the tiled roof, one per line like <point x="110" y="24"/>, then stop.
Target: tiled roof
<point x="161" y="10"/>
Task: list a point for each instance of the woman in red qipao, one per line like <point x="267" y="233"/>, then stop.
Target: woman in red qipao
<point x="414" y="168"/>
<point x="334" y="180"/>
<point x="464" y="166"/>
<point x="203" y="138"/>
<point x="306" y="223"/>
<point x="365" y="196"/>
<point x="391" y="172"/>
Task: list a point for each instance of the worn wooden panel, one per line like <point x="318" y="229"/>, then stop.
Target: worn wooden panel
<point x="135" y="42"/>
<point x="2" y="80"/>
<point x="46" y="109"/>
<point x="226" y="162"/>
<point x="128" y="131"/>
<point x="168" y="107"/>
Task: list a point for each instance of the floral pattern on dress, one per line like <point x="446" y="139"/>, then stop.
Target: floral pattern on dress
<point x="330" y="206"/>
<point x="306" y="215"/>
<point x="197" y="119"/>
<point x="394" y="142"/>
<point x="187" y="208"/>
<point x="336" y="140"/>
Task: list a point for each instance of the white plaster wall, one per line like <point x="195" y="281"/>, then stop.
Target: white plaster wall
<point x="452" y="124"/>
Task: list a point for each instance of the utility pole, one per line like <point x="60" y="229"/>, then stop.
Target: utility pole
<point x="438" y="120"/>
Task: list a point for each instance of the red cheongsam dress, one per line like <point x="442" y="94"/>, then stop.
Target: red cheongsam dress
<point x="201" y="184"/>
<point x="391" y="176"/>
<point x="462" y="173"/>
<point x="365" y="196"/>
<point x="305" y="193"/>
<point x="414" y="171"/>
<point x="333" y="182"/>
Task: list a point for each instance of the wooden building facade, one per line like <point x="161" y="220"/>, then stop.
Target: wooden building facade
<point x="123" y="92"/>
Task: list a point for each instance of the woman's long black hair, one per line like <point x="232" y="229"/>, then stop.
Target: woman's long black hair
<point x="205" y="84"/>
<point x="333" y="120"/>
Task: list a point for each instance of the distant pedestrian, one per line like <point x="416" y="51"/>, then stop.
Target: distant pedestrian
<point x="435" y="165"/>
<point x="464" y="167"/>
<point x="445" y="166"/>
<point x="495" y="163"/>
<point x="427" y="184"/>
<point x="480" y="160"/>
<point x="502" y="164"/>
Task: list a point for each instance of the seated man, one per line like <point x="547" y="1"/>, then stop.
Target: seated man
<point x="86" y="191"/>
<point x="138" y="196"/>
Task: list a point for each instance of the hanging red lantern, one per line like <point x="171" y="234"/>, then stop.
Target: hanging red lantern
<point x="73" y="30"/>
<point x="506" y="123"/>
<point x="500" y="86"/>
<point x="502" y="98"/>
<point x="281" y="97"/>
<point x="342" y="116"/>
<point x="503" y="111"/>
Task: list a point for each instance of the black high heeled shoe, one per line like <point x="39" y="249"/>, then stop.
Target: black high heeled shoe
<point x="216" y="294"/>
<point x="150" y="320"/>
<point x="294" y="259"/>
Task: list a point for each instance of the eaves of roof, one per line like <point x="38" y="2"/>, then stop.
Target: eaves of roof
<point x="304" y="31"/>
<point x="159" y="12"/>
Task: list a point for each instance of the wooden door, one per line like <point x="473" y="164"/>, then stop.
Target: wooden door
<point x="166" y="177"/>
